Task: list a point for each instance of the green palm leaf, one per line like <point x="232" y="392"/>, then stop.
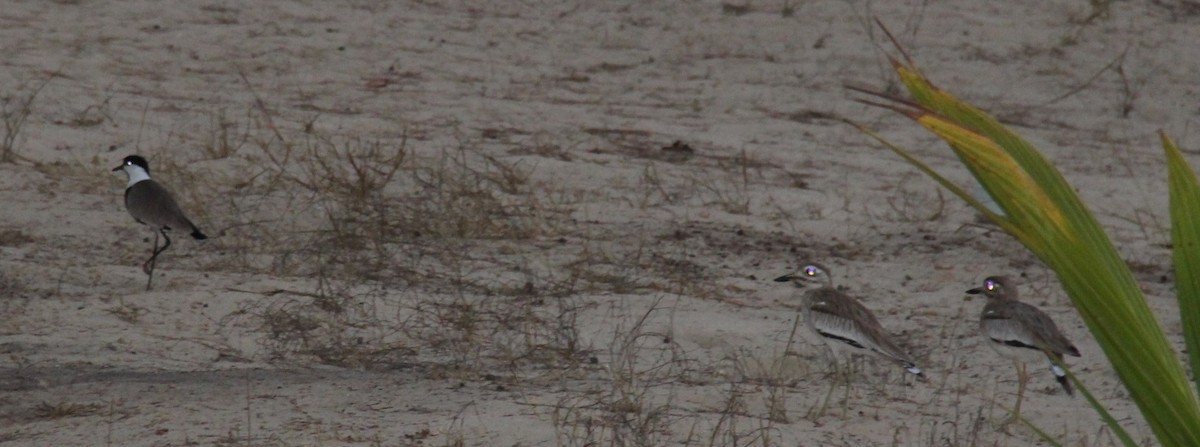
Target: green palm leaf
<point x="1185" y="237"/>
<point x="1043" y="212"/>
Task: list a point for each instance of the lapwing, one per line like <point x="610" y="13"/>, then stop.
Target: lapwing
<point x="1022" y="333"/>
<point x="151" y="204"/>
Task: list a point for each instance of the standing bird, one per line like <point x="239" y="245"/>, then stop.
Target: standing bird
<point x="1022" y="333"/>
<point x="151" y="204"/>
<point x="843" y="322"/>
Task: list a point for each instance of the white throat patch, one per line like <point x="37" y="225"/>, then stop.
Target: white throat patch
<point x="136" y="174"/>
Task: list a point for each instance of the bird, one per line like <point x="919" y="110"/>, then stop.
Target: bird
<point x="1022" y="333"/>
<point x="843" y="322"/>
<point x="153" y="205"/>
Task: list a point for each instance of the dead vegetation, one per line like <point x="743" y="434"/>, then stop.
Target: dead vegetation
<point x="15" y="109"/>
<point x="460" y="265"/>
<point x="457" y="264"/>
<point x="61" y="410"/>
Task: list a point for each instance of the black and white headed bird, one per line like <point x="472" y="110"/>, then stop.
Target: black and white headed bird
<point x="1021" y="332"/>
<point x="844" y="323"/>
<point x="151" y="204"/>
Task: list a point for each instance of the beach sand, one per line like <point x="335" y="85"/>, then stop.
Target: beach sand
<point x="521" y="223"/>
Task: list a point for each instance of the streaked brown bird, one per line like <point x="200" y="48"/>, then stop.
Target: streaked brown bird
<point x="843" y="322"/>
<point x="1021" y="332"/>
<point x="151" y="204"/>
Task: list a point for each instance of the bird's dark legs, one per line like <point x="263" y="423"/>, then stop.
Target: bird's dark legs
<point x="148" y="266"/>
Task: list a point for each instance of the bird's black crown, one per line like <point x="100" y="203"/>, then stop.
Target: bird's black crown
<point x="134" y="160"/>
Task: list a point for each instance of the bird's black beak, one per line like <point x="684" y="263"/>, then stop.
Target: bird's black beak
<point x="118" y="168"/>
<point x="975" y="291"/>
<point x="791" y="277"/>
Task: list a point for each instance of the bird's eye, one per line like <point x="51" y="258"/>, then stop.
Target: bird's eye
<point x="810" y="271"/>
<point x="990" y="285"/>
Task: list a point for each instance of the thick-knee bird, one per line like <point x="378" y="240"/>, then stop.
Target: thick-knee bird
<point x="1022" y="333"/>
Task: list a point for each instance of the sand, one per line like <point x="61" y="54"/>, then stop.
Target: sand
<point x="548" y="223"/>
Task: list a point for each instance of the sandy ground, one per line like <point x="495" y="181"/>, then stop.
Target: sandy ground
<point x="547" y="222"/>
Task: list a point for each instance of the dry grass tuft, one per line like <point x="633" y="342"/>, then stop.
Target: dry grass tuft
<point x="336" y="325"/>
<point x="65" y="410"/>
<point x="128" y="313"/>
<point x="14" y="238"/>
<point x="636" y="405"/>
<point x="14" y="110"/>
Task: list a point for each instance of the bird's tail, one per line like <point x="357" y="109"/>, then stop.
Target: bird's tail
<point x="914" y="370"/>
<point x="893" y="352"/>
<point x="195" y="230"/>
<point x="1061" y="377"/>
